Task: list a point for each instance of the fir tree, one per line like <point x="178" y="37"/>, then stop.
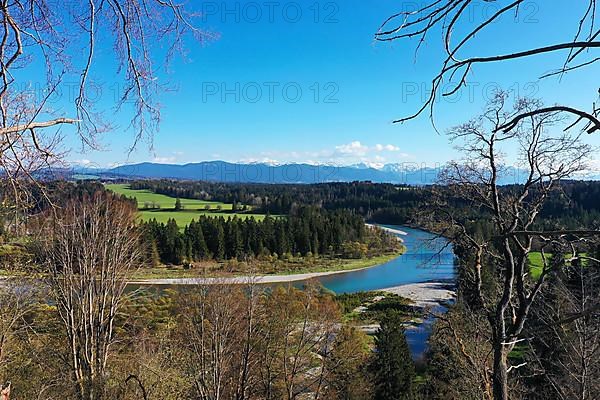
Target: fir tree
<point x="178" y="205"/>
<point x="393" y="366"/>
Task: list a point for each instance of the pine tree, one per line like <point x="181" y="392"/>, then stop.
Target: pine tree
<point x="282" y="239"/>
<point x="218" y="239"/>
<point x="196" y="246"/>
<point x="178" y="205"/>
<point x="179" y="250"/>
<point x="393" y="366"/>
<point x="171" y="246"/>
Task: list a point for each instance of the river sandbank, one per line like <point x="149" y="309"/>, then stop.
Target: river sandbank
<point x="385" y="228"/>
<point x="238" y="280"/>
<point x="245" y="279"/>
<point x="426" y="294"/>
<point x="423" y="295"/>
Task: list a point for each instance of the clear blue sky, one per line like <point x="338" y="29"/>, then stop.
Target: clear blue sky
<point x="362" y="85"/>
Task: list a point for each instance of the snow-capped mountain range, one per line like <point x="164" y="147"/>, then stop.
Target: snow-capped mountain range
<point x="222" y="171"/>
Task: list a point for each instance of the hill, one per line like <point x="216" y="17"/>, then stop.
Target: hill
<point x="221" y="171"/>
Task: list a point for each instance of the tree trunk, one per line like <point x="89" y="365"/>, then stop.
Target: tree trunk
<point x="500" y="377"/>
<point x="5" y="392"/>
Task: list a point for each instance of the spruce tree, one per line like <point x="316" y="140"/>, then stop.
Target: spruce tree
<point x="172" y="248"/>
<point x="393" y="366"/>
<point x="219" y="237"/>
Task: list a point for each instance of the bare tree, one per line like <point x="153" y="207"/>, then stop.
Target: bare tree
<point x="41" y="50"/>
<point x="460" y="28"/>
<point x="5" y="392"/>
<point x="568" y="353"/>
<point x="461" y="354"/>
<point x="298" y="336"/>
<point x="93" y="247"/>
<point x="253" y="316"/>
<point x="16" y="303"/>
<point x="513" y="212"/>
<point x="214" y="325"/>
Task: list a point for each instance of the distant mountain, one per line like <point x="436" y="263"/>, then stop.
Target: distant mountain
<point x="221" y="171"/>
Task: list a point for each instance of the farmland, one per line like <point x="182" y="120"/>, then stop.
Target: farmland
<point x="162" y="208"/>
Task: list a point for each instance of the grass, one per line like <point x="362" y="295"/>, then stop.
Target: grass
<point x="374" y="304"/>
<point x="163" y="272"/>
<point x="192" y="208"/>
<point x="163" y="201"/>
<point x="536" y="263"/>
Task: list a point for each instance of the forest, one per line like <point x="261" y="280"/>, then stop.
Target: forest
<point x="473" y="287"/>
<point x="576" y="203"/>
<point x="310" y="232"/>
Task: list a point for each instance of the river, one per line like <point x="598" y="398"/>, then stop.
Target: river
<point x="427" y="258"/>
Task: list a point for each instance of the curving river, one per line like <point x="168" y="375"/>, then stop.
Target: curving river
<point x="427" y="258"/>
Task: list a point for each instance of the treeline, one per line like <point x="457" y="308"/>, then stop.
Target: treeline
<point x="373" y="201"/>
<point x="309" y="232"/>
<point x="57" y="193"/>
<point x="574" y="203"/>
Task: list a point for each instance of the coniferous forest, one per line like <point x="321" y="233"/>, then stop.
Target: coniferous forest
<point x="309" y="232"/>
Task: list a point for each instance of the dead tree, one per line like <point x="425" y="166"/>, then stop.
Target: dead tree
<point x="460" y="27"/>
<point x="544" y="159"/>
<point x="90" y="252"/>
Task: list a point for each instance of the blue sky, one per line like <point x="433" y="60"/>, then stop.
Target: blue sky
<point x="238" y="98"/>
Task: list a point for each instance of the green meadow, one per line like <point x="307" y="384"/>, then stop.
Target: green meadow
<point x="192" y="208"/>
<point x="536" y="263"/>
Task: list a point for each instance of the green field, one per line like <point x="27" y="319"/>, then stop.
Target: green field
<point x="536" y="264"/>
<point x="192" y="209"/>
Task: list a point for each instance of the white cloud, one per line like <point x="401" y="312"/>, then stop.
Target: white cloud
<point x="592" y="170"/>
<point x="386" y="147"/>
<point x="173" y="158"/>
<point x="82" y="162"/>
<point x="594" y="165"/>
<point x="352" y="148"/>
<point x="354" y="152"/>
<point x="259" y="160"/>
<point x="356" y="148"/>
